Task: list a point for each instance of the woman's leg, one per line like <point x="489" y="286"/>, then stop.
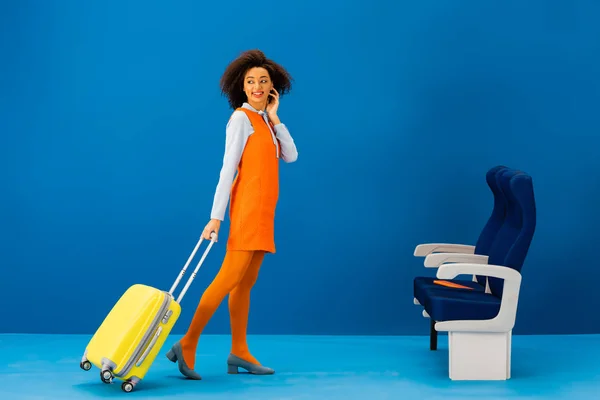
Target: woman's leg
<point x="239" y="308"/>
<point x="231" y="273"/>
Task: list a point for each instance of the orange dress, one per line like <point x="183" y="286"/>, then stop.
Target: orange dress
<point x="253" y="149"/>
<point x="255" y="191"/>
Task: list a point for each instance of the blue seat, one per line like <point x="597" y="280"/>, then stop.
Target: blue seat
<point x="480" y="323"/>
<point x="449" y="252"/>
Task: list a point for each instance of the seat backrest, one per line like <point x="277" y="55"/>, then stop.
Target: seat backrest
<point x="518" y="230"/>
<point x="496" y="219"/>
<point x="508" y="232"/>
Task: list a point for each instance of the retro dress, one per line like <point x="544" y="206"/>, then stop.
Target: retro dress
<point x="253" y="147"/>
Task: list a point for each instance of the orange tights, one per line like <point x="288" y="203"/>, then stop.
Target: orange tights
<point x="236" y="278"/>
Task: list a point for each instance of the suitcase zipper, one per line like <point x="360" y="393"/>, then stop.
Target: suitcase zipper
<point x="149" y="333"/>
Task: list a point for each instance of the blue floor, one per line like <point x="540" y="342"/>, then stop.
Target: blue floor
<point x="308" y="367"/>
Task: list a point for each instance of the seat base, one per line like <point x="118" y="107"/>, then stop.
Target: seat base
<point x="479" y="356"/>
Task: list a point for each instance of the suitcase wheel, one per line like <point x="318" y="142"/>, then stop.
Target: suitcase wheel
<point x="85" y="365"/>
<point x="127" y="387"/>
<point x="106" y="376"/>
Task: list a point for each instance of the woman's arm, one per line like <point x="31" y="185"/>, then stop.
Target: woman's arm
<point x="236" y="135"/>
<point x="289" y="153"/>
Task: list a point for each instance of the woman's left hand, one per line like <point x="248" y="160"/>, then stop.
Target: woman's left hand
<point x="273" y="106"/>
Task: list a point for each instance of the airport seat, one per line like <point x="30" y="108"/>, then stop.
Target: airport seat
<point x="479" y="322"/>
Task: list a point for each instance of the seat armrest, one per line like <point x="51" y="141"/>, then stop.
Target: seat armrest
<point x="437" y="259"/>
<point x="505" y="320"/>
<point x="425" y="249"/>
<point x="450" y="271"/>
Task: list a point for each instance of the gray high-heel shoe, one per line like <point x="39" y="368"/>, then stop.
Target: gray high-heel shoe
<point x="234" y="362"/>
<point x="176" y="355"/>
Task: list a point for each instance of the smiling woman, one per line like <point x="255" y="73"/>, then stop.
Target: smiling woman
<point x="235" y="80"/>
<point x="255" y="141"/>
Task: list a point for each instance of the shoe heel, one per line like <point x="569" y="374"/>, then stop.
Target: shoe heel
<point x="171" y="356"/>
<point x="232" y="369"/>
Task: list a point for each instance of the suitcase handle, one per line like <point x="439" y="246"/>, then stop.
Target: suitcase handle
<point x="213" y="237"/>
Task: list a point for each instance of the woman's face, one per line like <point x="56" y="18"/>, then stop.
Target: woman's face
<point x="257" y="86"/>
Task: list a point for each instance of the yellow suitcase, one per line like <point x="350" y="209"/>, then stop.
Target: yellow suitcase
<point x="133" y="333"/>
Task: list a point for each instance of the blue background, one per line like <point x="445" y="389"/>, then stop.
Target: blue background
<point x="113" y="133"/>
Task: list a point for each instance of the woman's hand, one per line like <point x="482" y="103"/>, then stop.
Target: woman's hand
<point x="273" y="106"/>
<point x="212" y="226"/>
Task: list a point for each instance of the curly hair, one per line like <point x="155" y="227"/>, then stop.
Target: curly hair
<point x="232" y="81"/>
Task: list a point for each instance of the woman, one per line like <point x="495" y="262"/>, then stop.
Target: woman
<point x="255" y="141"/>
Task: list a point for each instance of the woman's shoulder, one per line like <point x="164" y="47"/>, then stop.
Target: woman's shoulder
<point x="239" y="122"/>
<point x="238" y="114"/>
